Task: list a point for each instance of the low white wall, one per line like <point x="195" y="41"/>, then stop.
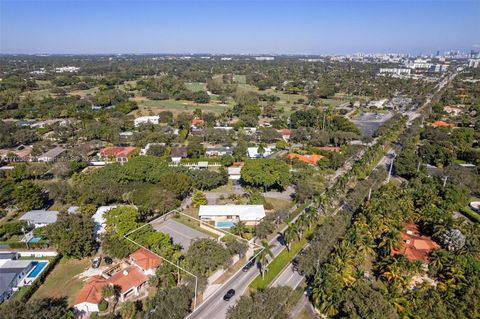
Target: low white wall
<point x="36" y="253"/>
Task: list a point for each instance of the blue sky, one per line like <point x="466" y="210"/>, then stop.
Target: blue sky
<point x="237" y="26"/>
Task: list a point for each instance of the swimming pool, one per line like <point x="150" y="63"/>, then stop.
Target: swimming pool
<point x="37" y="268"/>
<point x="35" y="239"/>
<point x="225" y="223"/>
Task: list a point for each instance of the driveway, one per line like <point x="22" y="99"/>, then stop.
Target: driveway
<point x="180" y="233"/>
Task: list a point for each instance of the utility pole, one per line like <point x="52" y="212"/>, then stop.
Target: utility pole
<point x="418" y="166"/>
<point x="445" y="181"/>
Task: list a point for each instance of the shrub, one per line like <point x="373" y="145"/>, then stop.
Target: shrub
<point x="103" y="305"/>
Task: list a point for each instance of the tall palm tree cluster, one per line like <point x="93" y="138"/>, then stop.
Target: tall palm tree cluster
<point x="363" y="260"/>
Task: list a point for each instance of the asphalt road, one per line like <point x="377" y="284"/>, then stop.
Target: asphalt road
<point x="215" y="307"/>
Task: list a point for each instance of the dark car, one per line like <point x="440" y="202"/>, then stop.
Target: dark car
<point x="107" y="260"/>
<point x="96" y="262"/>
<point x="249" y="265"/>
<point x="229" y="295"/>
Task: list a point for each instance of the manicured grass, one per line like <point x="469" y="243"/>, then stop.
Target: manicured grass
<point x="178" y="106"/>
<point x="279" y="204"/>
<point x="277" y="265"/>
<point x="82" y="93"/>
<point x="63" y="280"/>
<point x="240" y="79"/>
<point x="196" y="86"/>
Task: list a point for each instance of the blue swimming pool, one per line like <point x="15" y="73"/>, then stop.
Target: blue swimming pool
<point x="35" y="239"/>
<point x="37" y="268"/>
<point x="224" y="223"/>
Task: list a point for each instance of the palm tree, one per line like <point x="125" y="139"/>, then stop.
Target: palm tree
<point x="290" y="233"/>
<point x="111" y="292"/>
<point x="262" y="256"/>
<point x="239" y="229"/>
<point x="389" y="242"/>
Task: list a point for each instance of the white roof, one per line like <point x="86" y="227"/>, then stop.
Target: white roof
<point x="244" y="212"/>
<point x="234" y="170"/>
<point x="253" y="151"/>
<point x="98" y="218"/>
<point x="40" y="216"/>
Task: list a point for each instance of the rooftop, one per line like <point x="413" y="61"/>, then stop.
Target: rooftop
<point x="128" y="278"/>
<point x="415" y="246"/>
<point x="244" y="212"/>
<point x="117" y="151"/>
<point x="310" y="159"/>
<point x="92" y="291"/>
<point x="53" y="152"/>
<point x="145" y="259"/>
<point x="40" y="216"/>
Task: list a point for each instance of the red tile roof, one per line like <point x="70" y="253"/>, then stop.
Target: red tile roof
<point x="130" y="277"/>
<point x="310" y="159"/>
<point x="442" y="123"/>
<point x="285" y="132"/>
<point x="415" y="245"/>
<point x="117" y="151"/>
<point x="92" y="291"/>
<point x="197" y="121"/>
<point x="145" y="259"/>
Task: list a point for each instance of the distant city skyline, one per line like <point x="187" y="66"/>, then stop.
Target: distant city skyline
<point x="234" y="27"/>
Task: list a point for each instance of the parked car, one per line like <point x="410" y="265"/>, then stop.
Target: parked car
<point x="108" y="260"/>
<point x="229" y="295"/>
<point x="96" y="262"/>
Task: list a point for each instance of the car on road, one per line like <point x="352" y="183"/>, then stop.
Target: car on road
<point x="229" y="295"/>
<point x="96" y="262"/>
<point x="249" y="265"/>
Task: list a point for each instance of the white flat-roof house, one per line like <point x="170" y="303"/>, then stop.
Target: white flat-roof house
<point x="252" y="152"/>
<point x="154" y="119"/>
<point x="99" y="220"/>
<point x="234" y="172"/>
<point x="40" y="218"/>
<point x="221" y="214"/>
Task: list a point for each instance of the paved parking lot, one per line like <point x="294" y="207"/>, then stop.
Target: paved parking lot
<point x="180" y="233"/>
<point x="369" y="122"/>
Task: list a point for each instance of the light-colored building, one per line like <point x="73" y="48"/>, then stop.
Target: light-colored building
<point x="154" y="119"/>
<point x="225" y="216"/>
<point x="234" y="172"/>
<point x="51" y="155"/>
<point x="252" y="152"/>
<point x="40" y="218"/>
<point x="396" y="71"/>
<point x="99" y="220"/>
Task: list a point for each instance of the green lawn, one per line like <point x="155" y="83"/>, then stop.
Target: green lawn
<point x="277" y="265"/>
<point x="224" y="188"/>
<point x="279" y="204"/>
<point x="63" y="281"/>
<point x="240" y="79"/>
<point x="177" y="106"/>
<point x="196" y="86"/>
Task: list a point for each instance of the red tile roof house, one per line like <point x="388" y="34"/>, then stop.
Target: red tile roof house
<point x="415" y="246"/>
<point x="130" y="281"/>
<point x="119" y="153"/>
<point x="145" y="260"/>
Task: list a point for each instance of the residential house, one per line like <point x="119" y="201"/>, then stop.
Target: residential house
<point x="178" y="153"/>
<point x="415" y="246"/>
<point x="234" y="172"/>
<point x="90" y="295"/>
<point x="125" y="135"/>
<point x="252" y="152"/>
<point x="196" y="122"/>
<point x="130" y="280"/>
<point x="12" y="272"/>
<point x="218" y="151"/>
<point x="51" y="155"/>
<point x="20" y="153"/>
<point x="309" y="159"/>
<point x="285" y="133"/>
<point x="455" y="111"/>
<point x="155" y="119"/>
<point x="442" y="124"/>
<point x="224" y="216"/>
<point x="119" y="153"/>
<point x="40" y="218"/>
<point x="99" y="220"/>
<point x="145" y="260"/>
<point x="250" y="130"/>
